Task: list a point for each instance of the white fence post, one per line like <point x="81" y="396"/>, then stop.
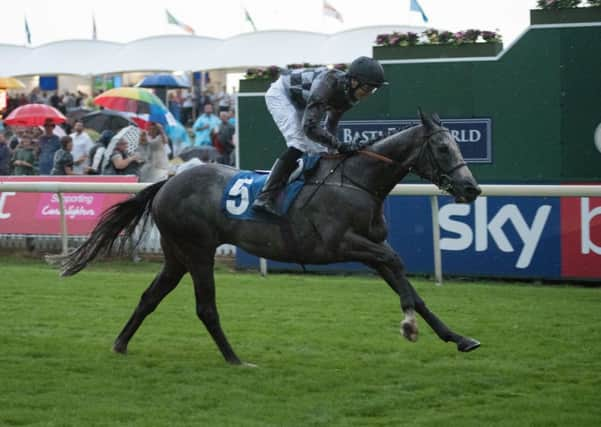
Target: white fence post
<point x="263" y="266"/>
<point x="436" y="241"/>
<point x="64" y="235"/>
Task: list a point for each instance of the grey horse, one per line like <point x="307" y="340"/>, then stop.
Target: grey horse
<point x="337" y="217"/>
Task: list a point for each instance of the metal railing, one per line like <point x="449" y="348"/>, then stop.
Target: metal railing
<point x="399" y="190"/>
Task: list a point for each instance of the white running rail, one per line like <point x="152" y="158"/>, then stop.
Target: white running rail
<point x="399" y="190"/>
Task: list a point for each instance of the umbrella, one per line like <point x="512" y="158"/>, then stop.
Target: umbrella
<point x="164" y="81"/>
<point x="133" y="100"/>
<point x="34" y="115"/>
<point x="131" y="134"/>
<point x="78" y="113"/>
<point x="106" y="119"/>
<point x="10" y="83"/>
<point x="143" y="120"/>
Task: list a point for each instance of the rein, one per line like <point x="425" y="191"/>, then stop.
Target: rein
<point x="380" y="157"/>
<point x="343" y="158"/>
<point x="440" y="176"/>
<point x="318" y="184"/>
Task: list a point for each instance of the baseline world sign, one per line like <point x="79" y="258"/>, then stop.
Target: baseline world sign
<point x="474" y="136"/>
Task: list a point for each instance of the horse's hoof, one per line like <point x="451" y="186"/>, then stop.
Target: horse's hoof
<point x="467" y="344"/>
<point x="409" y="330"/>
<point x="118" y="348"/>
<point x="248" y="365"/>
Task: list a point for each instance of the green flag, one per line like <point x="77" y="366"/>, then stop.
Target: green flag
<point x="249" y="19"/>
<point x="171" y="20"/>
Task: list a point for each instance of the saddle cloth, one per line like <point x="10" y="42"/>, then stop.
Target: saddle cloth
<point x="244" y="187"/>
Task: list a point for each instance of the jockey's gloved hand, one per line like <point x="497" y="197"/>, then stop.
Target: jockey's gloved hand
<point x="349" y="147"/>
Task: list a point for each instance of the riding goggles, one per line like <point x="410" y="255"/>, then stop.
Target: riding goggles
<point x="367" y="88"/>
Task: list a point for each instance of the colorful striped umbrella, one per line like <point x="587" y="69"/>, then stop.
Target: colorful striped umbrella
<point x="133" y="100"/>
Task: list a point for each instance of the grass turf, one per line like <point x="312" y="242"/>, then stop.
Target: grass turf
<point x="328" y="350"/>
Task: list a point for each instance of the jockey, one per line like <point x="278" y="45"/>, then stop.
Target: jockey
<point x="299" y="101"/>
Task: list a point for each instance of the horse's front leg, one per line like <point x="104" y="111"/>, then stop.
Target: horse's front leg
<point x="463" y="343"/>
<point x="393" y="272"/>
<point x="390" y="266"/>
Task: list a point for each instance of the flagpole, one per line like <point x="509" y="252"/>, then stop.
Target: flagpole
<point x="27" y="32"/>
<point x="94" y="31"/>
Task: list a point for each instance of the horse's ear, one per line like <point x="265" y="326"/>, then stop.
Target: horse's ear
<point x="426" y="121"/>
<point x="436" y="119"/>
<point x="420" y="114"/>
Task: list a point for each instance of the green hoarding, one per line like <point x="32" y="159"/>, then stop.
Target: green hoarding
<point x="542" y="95"/>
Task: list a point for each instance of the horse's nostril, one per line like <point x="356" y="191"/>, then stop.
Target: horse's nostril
<point x="476" y="190"/>
<point x="473" y="191"/>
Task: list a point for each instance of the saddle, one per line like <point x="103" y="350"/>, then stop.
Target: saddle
<point x="244" y="187"/>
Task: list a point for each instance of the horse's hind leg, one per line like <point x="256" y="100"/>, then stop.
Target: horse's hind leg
<point x="206" y="308"/>
<point x="163" y="283"/>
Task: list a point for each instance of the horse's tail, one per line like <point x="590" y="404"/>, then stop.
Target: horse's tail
<point x="123" y="216"/>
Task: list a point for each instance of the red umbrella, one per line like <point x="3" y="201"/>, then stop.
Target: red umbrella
<point x="34" y="115"/>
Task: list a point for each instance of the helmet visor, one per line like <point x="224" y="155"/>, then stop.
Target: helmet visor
<point x="366" y="89"/>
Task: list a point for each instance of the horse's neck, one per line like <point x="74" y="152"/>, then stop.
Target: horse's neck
<point x="380" y="175"/>
<point x="402" y="146"/>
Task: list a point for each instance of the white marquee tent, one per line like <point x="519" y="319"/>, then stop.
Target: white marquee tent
<point x="190" y="53"/>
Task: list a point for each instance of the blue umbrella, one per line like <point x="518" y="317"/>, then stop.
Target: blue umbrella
<point x="178" y="135"/>
<point x="164" y="81"/>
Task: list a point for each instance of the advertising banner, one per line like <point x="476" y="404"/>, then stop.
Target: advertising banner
<point x="473" y="135"/>
<point x="521" y="237"/>
<point x="581" y="237"/>
<point x="39" y="213"/>
<point x="502" y="236"/>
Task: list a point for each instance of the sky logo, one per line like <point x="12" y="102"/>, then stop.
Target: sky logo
<point x="501" y="235"/>
<point x="490" y="229"/>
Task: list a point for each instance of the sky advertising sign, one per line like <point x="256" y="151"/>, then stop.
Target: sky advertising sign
<point x="521" y="237"/>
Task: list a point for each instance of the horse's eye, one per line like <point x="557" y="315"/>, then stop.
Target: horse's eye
<point x="443" y="149"/>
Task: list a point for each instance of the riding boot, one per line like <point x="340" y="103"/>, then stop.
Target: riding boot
<point x="266" y="201"/>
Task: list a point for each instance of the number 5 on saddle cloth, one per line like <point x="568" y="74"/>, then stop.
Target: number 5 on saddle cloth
<point x="245" y="186"/>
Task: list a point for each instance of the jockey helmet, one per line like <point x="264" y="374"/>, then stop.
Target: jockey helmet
<point x="367" y="71"/>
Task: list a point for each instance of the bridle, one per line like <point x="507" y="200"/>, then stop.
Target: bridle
<point x="440" y="177"/>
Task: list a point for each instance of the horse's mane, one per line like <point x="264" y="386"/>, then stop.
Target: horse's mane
<point x="398" y="133"/>
<point x="395" y="133"/>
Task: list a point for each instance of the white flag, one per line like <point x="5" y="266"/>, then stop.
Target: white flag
<point x="329" y="10"/>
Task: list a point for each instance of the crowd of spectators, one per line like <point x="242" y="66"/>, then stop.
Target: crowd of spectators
<point x="186" y="106"/>
<point x="68" y="149"/>
<point x="64" y="102"/>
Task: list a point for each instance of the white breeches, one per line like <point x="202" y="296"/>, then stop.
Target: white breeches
<point x="289" y="119"/>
